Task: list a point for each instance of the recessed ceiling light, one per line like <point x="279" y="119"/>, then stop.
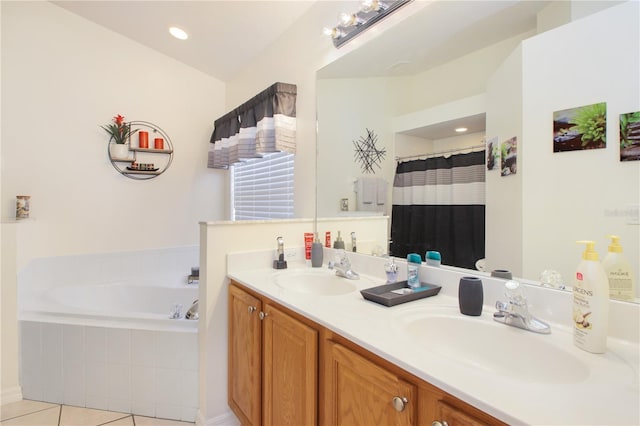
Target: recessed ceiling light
<point x="178" y="33"/>
<point x="461" y="129"/>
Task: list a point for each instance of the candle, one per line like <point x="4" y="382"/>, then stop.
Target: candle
<point x="158" y="143"/>
<point x="143" y="139"/>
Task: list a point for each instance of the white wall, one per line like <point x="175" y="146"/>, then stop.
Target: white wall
<point x="346" y="109"/>
<point x="63" y="77"/>
<point x="600" y="63"/>
<point x="457" y="79"/>
<point x="503" y="230"/>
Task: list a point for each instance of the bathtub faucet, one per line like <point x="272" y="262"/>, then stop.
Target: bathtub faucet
<point x="176" y="311"/>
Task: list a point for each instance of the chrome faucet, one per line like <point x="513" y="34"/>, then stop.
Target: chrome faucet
<point x="343" y="266"/>
<point x="515" y="312"/>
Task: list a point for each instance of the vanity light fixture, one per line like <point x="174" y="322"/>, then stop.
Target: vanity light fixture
<point x="178" y="33"/>
<point x="352" y="24"/>
<point x="461" y="129"/>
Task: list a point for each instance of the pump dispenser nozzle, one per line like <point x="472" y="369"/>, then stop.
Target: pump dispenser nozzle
<point x="590" y="252"/>
<point x="615" y="246"/>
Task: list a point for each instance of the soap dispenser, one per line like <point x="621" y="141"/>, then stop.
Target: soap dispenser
<point x="590" y="302"/>
<point x="280" y="263"/>
<point x="619" y="272"/>
<point x="338" y="243"/>
<point x="316" y="252"/>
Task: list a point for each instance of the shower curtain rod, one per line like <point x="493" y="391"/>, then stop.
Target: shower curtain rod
<point x="448" y="151"/>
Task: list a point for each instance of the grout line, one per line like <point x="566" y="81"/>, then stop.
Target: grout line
<point x="31" y="412"/>
<point x="115" y="420"/>
<point x="59" y="414"/>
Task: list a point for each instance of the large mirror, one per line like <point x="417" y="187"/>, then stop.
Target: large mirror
<point x="492" y="67"/>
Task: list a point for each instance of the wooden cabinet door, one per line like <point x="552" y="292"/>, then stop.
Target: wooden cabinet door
<point x="359" y="392"/>
<point x="244" y="363"/>
<point x="290" y="370"/>
<point x="456" y="417"/>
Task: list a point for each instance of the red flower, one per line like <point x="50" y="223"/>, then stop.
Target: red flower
<point x="119" y="130"/>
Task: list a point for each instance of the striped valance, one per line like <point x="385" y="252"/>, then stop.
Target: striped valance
<point x="265" y="123"/>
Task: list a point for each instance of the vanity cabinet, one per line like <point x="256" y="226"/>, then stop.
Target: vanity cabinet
<point x="273" y="363"/>
<point x="359" y="392"/>
<point x="284" y="369"/>
<point x="361" y="388"/>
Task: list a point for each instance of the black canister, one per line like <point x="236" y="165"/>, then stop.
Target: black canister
<point x="470" y="296"/>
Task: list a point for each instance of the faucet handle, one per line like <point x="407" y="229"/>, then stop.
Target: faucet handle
<point x="502" y="306"/>
<point x="515" y="293"/>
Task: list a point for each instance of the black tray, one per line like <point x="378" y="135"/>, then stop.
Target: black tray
<point x="382" y="294"/>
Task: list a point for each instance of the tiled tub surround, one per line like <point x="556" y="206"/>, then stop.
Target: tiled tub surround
<point x="95" y="332"/>
<point x="610" y="385"/>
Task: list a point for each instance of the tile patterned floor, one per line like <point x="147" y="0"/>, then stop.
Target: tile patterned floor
<point x="33" y="413"/>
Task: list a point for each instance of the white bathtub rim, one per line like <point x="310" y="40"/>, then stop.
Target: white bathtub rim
<point x="105" y="321"/>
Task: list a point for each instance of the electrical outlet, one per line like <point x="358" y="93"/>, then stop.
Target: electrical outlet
<point x="633" y="214"/>
<point x="291" y="254"/>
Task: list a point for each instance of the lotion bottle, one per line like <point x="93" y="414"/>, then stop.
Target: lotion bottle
<point x="590" y="302"/>
<point x="619" y="272"/>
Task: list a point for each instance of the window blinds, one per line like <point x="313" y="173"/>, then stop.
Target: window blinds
<point x="262" y="188"/>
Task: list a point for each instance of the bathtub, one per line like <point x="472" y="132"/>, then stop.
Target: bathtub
<point x="109" y="346"/>
<point x="115" y="305"/>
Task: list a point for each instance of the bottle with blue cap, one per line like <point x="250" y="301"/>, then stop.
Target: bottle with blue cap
<point x="432" y="258"/>
<point x="413" y="266"/>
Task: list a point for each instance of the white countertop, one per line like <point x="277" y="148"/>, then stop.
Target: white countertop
<point x="601" y="389"/>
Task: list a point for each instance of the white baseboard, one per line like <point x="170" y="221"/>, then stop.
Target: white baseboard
<point x="226" y="419"/>
<point x="11" y="395"/>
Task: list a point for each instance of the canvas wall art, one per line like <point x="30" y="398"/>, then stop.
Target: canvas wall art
<point x="580" y="128"/>
<point x="630" y="136"/>
<point x="509" y="153"/>
<point x="493" y="153"/>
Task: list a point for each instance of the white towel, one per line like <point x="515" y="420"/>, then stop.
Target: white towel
<point x="381" y="199"/>
<point x="368" y="190"/>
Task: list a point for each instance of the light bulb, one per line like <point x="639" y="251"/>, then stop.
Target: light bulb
<point x="372" y="6"/>
<point x="350" y="20"/>
<point x="332" y="32"/>
<point x="461" y="129"/>
<point x="178" y="33"/>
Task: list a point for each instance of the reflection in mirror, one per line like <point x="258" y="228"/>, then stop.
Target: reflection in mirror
<point x="533" y="217"/>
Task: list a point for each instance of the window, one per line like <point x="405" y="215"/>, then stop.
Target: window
<point x="262" y="188"/>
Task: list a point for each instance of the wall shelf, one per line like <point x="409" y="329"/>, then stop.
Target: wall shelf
<point x="161" y="158"/>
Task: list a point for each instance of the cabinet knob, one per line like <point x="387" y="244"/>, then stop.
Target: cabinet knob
<point x="399" y="403"/>
<point x="437" y="423"/>
<point x="252" y="309"/>
<point x="263" y="315"/>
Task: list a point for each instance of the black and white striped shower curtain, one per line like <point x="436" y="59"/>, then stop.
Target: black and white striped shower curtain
<point x="265" y="123"/>
<point x="439" y="204"/>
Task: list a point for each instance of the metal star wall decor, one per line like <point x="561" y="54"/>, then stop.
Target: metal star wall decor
<point x="367" y="153"/>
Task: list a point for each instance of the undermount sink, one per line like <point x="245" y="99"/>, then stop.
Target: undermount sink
<point x="483" y="344"/>
<point x="319" y="282"/>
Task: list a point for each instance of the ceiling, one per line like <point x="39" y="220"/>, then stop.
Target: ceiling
<point x="226" y="35"/>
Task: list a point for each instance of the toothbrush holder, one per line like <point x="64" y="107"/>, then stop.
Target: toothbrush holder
<point x="470" y="296"/>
